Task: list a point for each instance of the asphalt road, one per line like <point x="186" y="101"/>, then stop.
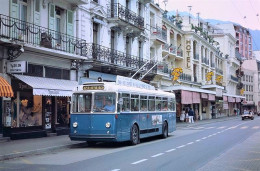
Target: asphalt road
<point x="227" y="145"/>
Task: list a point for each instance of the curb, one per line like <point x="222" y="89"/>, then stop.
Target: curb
<point x="37" y="151"/>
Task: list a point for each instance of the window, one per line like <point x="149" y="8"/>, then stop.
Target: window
<point x="126" y="102"/>
<point x="143" y="103"/>
<point x="82" y="103"/>
<point x="35" y="70"/>
<point x="246" y="77"/>
<point x="134" y="102"/>
<point x="158" y="103"/>
<point x="57" y="73"/>
<point x="104" y="102"/>
<point x="151" y="103"/>
<point x="164" y="104"/>
<point x="95" y="33"/>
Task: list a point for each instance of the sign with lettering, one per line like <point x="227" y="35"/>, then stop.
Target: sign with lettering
<point x="93" y="87"/>
<point x="17" y="67"/>
<point x="188" y="51"/>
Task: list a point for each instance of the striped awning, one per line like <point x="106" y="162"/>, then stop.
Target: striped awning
<point x="5" y="88"/>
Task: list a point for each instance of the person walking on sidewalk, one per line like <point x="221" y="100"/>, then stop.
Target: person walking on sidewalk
<point x="191" y="115"/>
<point x="182" y="117"/>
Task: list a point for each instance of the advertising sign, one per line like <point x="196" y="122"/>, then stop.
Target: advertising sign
<point x="17" y="67"/>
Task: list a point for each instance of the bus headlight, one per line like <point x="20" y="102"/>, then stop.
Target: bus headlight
<point x="75" y="125"/>
<point x="108" y="125"/>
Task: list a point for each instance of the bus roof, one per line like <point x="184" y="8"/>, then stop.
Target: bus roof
<point x="113" y="87"/>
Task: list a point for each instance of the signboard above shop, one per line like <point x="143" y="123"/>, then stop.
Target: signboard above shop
<point x="17" y="67"/>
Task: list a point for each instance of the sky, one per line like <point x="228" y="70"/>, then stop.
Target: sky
<point x="243" y="12"/>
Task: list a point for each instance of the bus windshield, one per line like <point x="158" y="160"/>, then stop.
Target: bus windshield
<point x="104" y="102"/>
<point x="81" y="103"/>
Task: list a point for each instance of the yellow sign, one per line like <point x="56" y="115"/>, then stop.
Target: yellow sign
<point x="176" y="74"/>
<point x="242" y="91"/>
<point x="209" y="76"/>
<point x="93" y="87"/>
<point x="219" y="79"/>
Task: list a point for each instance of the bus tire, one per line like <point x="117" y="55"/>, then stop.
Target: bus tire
<point x="135" y="135"/>
<point x="164" y="130"/>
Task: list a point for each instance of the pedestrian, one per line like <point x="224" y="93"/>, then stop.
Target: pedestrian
<point x="182" y="117"/>
<point x="191" y="115"/>
<point x="186" y="115"/>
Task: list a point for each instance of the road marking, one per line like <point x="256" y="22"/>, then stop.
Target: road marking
<point x="244" y="127"/>
<point x="198" y="140"/>
<point x="255" y="127"/>
<point x="190" y="143"/>
<point x="210" y="128"/>
<point x="156" y="155"/>
<point x="222" y="127"/>
<point x="209" y="136"/>
<point x="26" y="161"/>
<point x="115" y="170"/>
<point x="214" y="134"/>
<point x="204" y="138"/>
<point x="173" y="149"/>
<point x="140" y="161"/>
<point x="181" y="146"/>
<point x="218" y="132"/>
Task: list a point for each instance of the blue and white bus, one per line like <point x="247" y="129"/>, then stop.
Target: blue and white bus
<point x="119" y="111"/>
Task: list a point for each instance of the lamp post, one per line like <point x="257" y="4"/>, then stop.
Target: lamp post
<point x="189" y="12"/>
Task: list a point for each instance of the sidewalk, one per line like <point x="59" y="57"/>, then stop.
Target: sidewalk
<point x="25" y="147"/>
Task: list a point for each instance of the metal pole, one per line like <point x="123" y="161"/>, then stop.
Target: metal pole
<point x="140" y="69"/>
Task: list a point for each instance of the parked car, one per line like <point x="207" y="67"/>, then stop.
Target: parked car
<point x="247" y="115"/>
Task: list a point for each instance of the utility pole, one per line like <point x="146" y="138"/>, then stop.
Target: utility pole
<point x="198" y="19"/>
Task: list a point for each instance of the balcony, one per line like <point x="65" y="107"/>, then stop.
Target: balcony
<point x="173" y="50"/>
<point x="104" y="56"/>
<point x="219" y="71"/>
<point x="180" y="52"/>
<point x="158" y="35"/>
<point x="234" y="78"/>
<point x="163" y="69"/>
<point x="185" y="77"/>
<point x="122" y="17"/>
<point x="14" y="30"/>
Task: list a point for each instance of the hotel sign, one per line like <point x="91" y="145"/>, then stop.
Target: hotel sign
<point x="188" y="51"/>
<point x="17" y="67"/>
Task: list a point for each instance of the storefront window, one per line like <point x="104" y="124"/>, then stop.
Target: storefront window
<point x="62" y="111"/>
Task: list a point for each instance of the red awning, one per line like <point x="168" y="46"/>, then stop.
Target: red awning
<point x="204" y="96"/>
<point x="164" y="27"/>
<point x="186" y="97"/>
<point x="171" y="31"/>
<point x="212" y="97"/>
<point x="195" y="97"/>
<point x="238" y="99"/>
<point x="231" y="99"/>
<point x="225" y="98"/>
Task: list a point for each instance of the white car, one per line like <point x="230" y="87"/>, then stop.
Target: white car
<point x="247" y="115"/>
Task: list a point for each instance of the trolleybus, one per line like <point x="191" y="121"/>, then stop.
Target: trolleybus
<point x="126" y="110"/>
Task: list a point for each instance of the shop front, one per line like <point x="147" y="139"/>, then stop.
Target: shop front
<point x="39" y="106"/>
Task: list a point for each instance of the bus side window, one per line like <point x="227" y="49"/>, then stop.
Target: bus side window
<point x="151" y="103"/>
<point x="126" y="102"/>
<point x="158" y="103"/>
<point x="173" y="105"/>
<point x="134" y="102"/>
<point x="164" y="104"/>
<point x="143" y="103"/>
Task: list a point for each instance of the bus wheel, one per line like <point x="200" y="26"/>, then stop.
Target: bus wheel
<point x="134" y="135"/>
<point x="164" y="130"/>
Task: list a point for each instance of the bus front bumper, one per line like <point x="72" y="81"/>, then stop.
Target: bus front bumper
<point x="93" y="137"/>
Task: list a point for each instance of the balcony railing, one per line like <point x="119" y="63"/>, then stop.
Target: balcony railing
<point x="173" y="49"/>
<point x="31" y="34"/>
<point x="185" y="77"/>
<point x="196" y="56"/>
<point x="110" y="56"/>
<point x="159" y="33"/>
<point x="180" y="52"/>
<point x="117" y="10"/>
<point x="220" y="71"/>
<point x="234" y="78"/>
<point x="162" y="67"/>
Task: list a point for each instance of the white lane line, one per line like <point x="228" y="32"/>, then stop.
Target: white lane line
<point x="222" y="127"/>
<point x="156" y="155"/>
<point x="209" y="136"/>
<point x="255" y="127"/>
<point x="244" y="127"/>
<point x="190" y="143"/>
<point x="204" y="138"/>
<point x="173" y="149"/>
<point x="139" y="161"/>
<point x="214" y="134"/>
<point x="181" y="146"/>
<point x="218" y="132"/>
<point x="115" y="170"/>
<point x="198" y="140"/>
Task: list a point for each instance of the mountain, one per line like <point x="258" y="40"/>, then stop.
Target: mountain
<point x="255" y="33"/>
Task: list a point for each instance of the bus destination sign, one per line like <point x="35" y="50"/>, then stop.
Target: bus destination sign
<point x="93" y="87"/>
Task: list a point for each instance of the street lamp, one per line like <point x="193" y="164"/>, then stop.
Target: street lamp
<point x="189" y="12"/>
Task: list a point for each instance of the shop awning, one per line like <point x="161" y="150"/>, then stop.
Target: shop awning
<point x="186" y="97"/>
<point x="195" y="97"/>
<point x="212" y="97"/>
<point x="48" y="86"/>
<point x="5" y="88"/>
